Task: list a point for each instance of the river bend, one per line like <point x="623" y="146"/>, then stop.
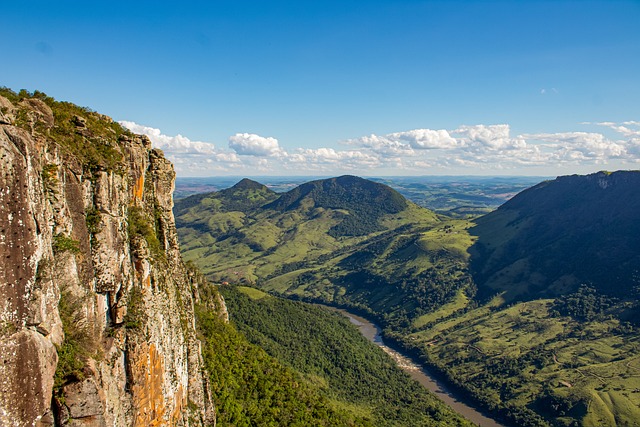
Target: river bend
<point x="372" y="332"/>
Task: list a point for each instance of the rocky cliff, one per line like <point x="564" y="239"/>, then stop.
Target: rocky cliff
<point x="96" y="305"/>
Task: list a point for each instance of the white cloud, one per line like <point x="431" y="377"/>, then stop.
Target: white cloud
<point x="577" y="146"/>
<point x="170" y="144"/>
<point x="465" y="149"/>
<point x="624" y="128"/>
<point x="421" y="139"/>
<point x="382" y="145"/>
<point x="189" y="157"/>
<point x="488" y="147"/>
<point x="405" y="142"/>
<point x="328" y="158"/>
<point x="250" y="144"/>
<point x="491" y="137"/>
<point x="634" y="149"/>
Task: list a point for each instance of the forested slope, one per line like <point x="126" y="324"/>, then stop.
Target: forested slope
<point x="334" y="357"/>
<point x="343" y="240"/>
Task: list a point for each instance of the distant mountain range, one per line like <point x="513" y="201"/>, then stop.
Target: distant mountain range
<point x="458" y="196"/>
<point x="543" y="242"/>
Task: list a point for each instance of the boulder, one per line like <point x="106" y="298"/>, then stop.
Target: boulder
<point x="41" y="112"/>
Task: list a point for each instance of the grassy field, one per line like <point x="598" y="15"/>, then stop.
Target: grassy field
<point x="459" y="302"/>
<point x="561" y="368"/>
<point x="253" y="293"/>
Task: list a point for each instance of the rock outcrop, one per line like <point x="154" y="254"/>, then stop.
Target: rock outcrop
<point x="96" y="305"/>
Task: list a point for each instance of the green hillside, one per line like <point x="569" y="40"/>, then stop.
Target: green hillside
<point x="251" y="388"/>
<point x="554" y="236"/>
<point x="346" y="241"/>
<point x="364" y="203"/>
<point x="532" y="309"/>
<point x="558" y="343"/>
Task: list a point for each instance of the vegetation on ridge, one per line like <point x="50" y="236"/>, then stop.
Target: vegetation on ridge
<point x="364" y="201"/>
<point x="90" y="137"/>
<point x="289" y="247"/>
<point x="545" y="343"/>
<point x="251" y="388"/>
<point x="552" y="237"/>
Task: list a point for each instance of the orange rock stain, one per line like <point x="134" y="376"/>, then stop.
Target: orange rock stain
<point x="149" y="404"/>
<point x="138" y="188"/>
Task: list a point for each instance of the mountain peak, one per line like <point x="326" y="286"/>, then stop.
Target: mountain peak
<point x="249" y="184"/>
<point x="344" y="192"/>
<point x="365" y="201"/>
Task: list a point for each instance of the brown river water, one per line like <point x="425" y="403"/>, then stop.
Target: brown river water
<point x="371" y="331"/>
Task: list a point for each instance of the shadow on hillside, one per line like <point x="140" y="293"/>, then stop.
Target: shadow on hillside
<point x="552" y="237"/>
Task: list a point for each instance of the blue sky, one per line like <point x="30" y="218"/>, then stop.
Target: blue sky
<point x="363" y="87"/>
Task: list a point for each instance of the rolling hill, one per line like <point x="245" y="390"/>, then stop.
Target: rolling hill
<point x="554" y="340"/>
<point x="344" y="240"/>
<point x="531" y="309"/>
<point x="364" y="201"/>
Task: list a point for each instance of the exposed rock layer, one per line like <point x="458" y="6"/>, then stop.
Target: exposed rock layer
<point x="91" y="274"/>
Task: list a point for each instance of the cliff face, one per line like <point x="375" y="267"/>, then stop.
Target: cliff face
<point x="96" y="305"/>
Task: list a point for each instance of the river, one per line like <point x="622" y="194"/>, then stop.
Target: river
<point x="372" y="332"/>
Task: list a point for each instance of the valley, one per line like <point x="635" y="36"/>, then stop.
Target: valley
<point x="395" y="213"/>
<point x="332" y="357"/>
<point x="493" y="304"/>
<point x="372" y="332"/>
<point x="529" y="312"/>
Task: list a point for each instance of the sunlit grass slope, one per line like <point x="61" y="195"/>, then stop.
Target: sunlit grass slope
<point x="344" y="240"/>
<point x="528" y="358"/>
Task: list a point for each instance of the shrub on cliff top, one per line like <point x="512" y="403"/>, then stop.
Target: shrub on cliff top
<point x="92" y="140"/>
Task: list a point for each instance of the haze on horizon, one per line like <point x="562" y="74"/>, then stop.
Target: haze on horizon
<point x="370" y="88"/>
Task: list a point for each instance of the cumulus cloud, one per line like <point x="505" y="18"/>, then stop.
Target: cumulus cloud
<point x="250" y="144"/>
<point x="492" y="137"/>
<point x="189" y="157"/>
<point x="381" y="145"/>
<point x="177" y="144"/>
<point x="626" y="129"/>
<point x="633" y="148"/>
<point x="581" y="145"/>
<point x="404" y="143"/>
<point x="472" y="148"/>
<point x="468" y="146"/>
<point x="329" y="158"/>
<point x="494" y="147"/>
<point x="425" y="139"/>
